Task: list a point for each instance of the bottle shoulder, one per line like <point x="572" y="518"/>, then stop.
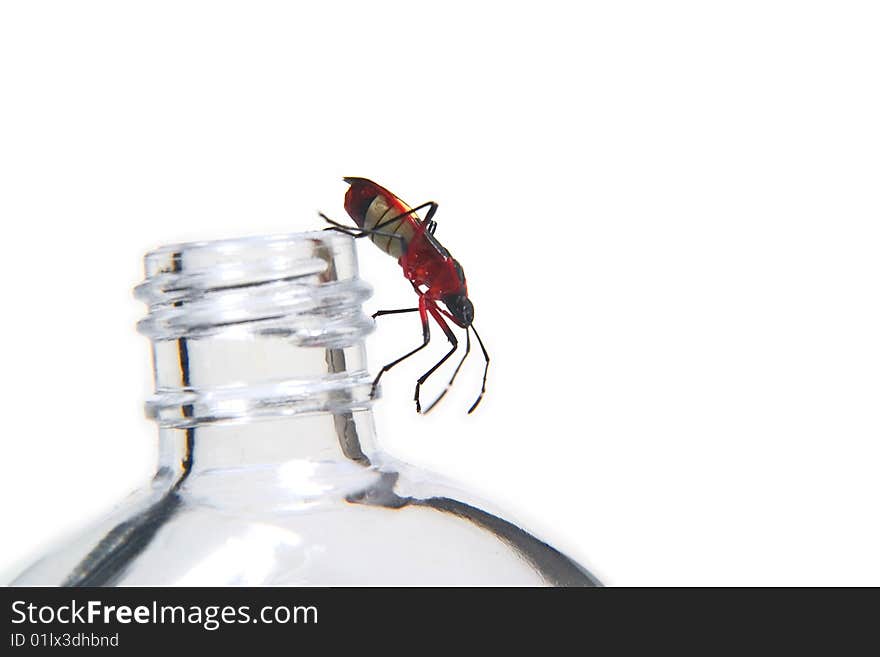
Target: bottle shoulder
<point x="390" y="524"/>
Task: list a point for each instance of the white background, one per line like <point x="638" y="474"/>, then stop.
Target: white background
<point x="668" y="215"/>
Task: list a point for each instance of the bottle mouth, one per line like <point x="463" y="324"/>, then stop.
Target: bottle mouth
<point x="303" y="286"/>
<point x="256" y="328"/>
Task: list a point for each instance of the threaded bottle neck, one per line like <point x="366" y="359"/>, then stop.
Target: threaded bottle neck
<point x="255" y="328"/>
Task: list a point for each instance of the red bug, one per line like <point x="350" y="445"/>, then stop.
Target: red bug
<point x="434" y="274"/>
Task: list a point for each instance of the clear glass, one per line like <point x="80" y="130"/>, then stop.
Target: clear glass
<point x="268" y="472"/>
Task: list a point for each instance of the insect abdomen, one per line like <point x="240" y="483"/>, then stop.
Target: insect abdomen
<point x="371" y="205"/>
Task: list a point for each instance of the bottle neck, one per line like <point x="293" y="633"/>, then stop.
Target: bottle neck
<point x="314" y="444"/>
<point x="258" y="355"/>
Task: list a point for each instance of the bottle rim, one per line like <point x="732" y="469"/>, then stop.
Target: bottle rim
<point x="302" y="285"/>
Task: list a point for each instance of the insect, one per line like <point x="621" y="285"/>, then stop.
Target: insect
<point x="433" y="273"/>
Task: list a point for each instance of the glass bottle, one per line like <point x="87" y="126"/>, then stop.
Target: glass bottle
<point x="268" y="472"/>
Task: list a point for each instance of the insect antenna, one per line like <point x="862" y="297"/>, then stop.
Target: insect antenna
<point x="467" y="350"/>
<point x="452" y="340"/>
<point x="485" y="370"/>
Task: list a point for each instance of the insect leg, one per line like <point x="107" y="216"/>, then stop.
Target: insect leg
<point x="426" y="338"/>
<point x="357" y="233"/>
<point x="451" y="337"/>
<point x="354" y="231"/>
<point x="485" y="372"/>
<point x="335" y="224"/>
<point x="344" y="231"/>
<point x="428" y="216"/>
<point x="467" y="350"/>
<point x="428" y="225"/>
<point x="379" y="313"/>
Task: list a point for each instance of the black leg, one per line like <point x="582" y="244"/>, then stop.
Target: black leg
<point x="344" y="231"/>
<point x="426" y="338"/>
<point x="335" y="224"/>
<point x="485" y="372"/>
<point x="428" y="216"/>
<point x="357" y="233"/>
<point x="452" y="339"/>
<point x="467" y="350"/>
<point x="380" y="313"/>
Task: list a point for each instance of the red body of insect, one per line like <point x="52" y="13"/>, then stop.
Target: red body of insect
<point x="434" y="274"/>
